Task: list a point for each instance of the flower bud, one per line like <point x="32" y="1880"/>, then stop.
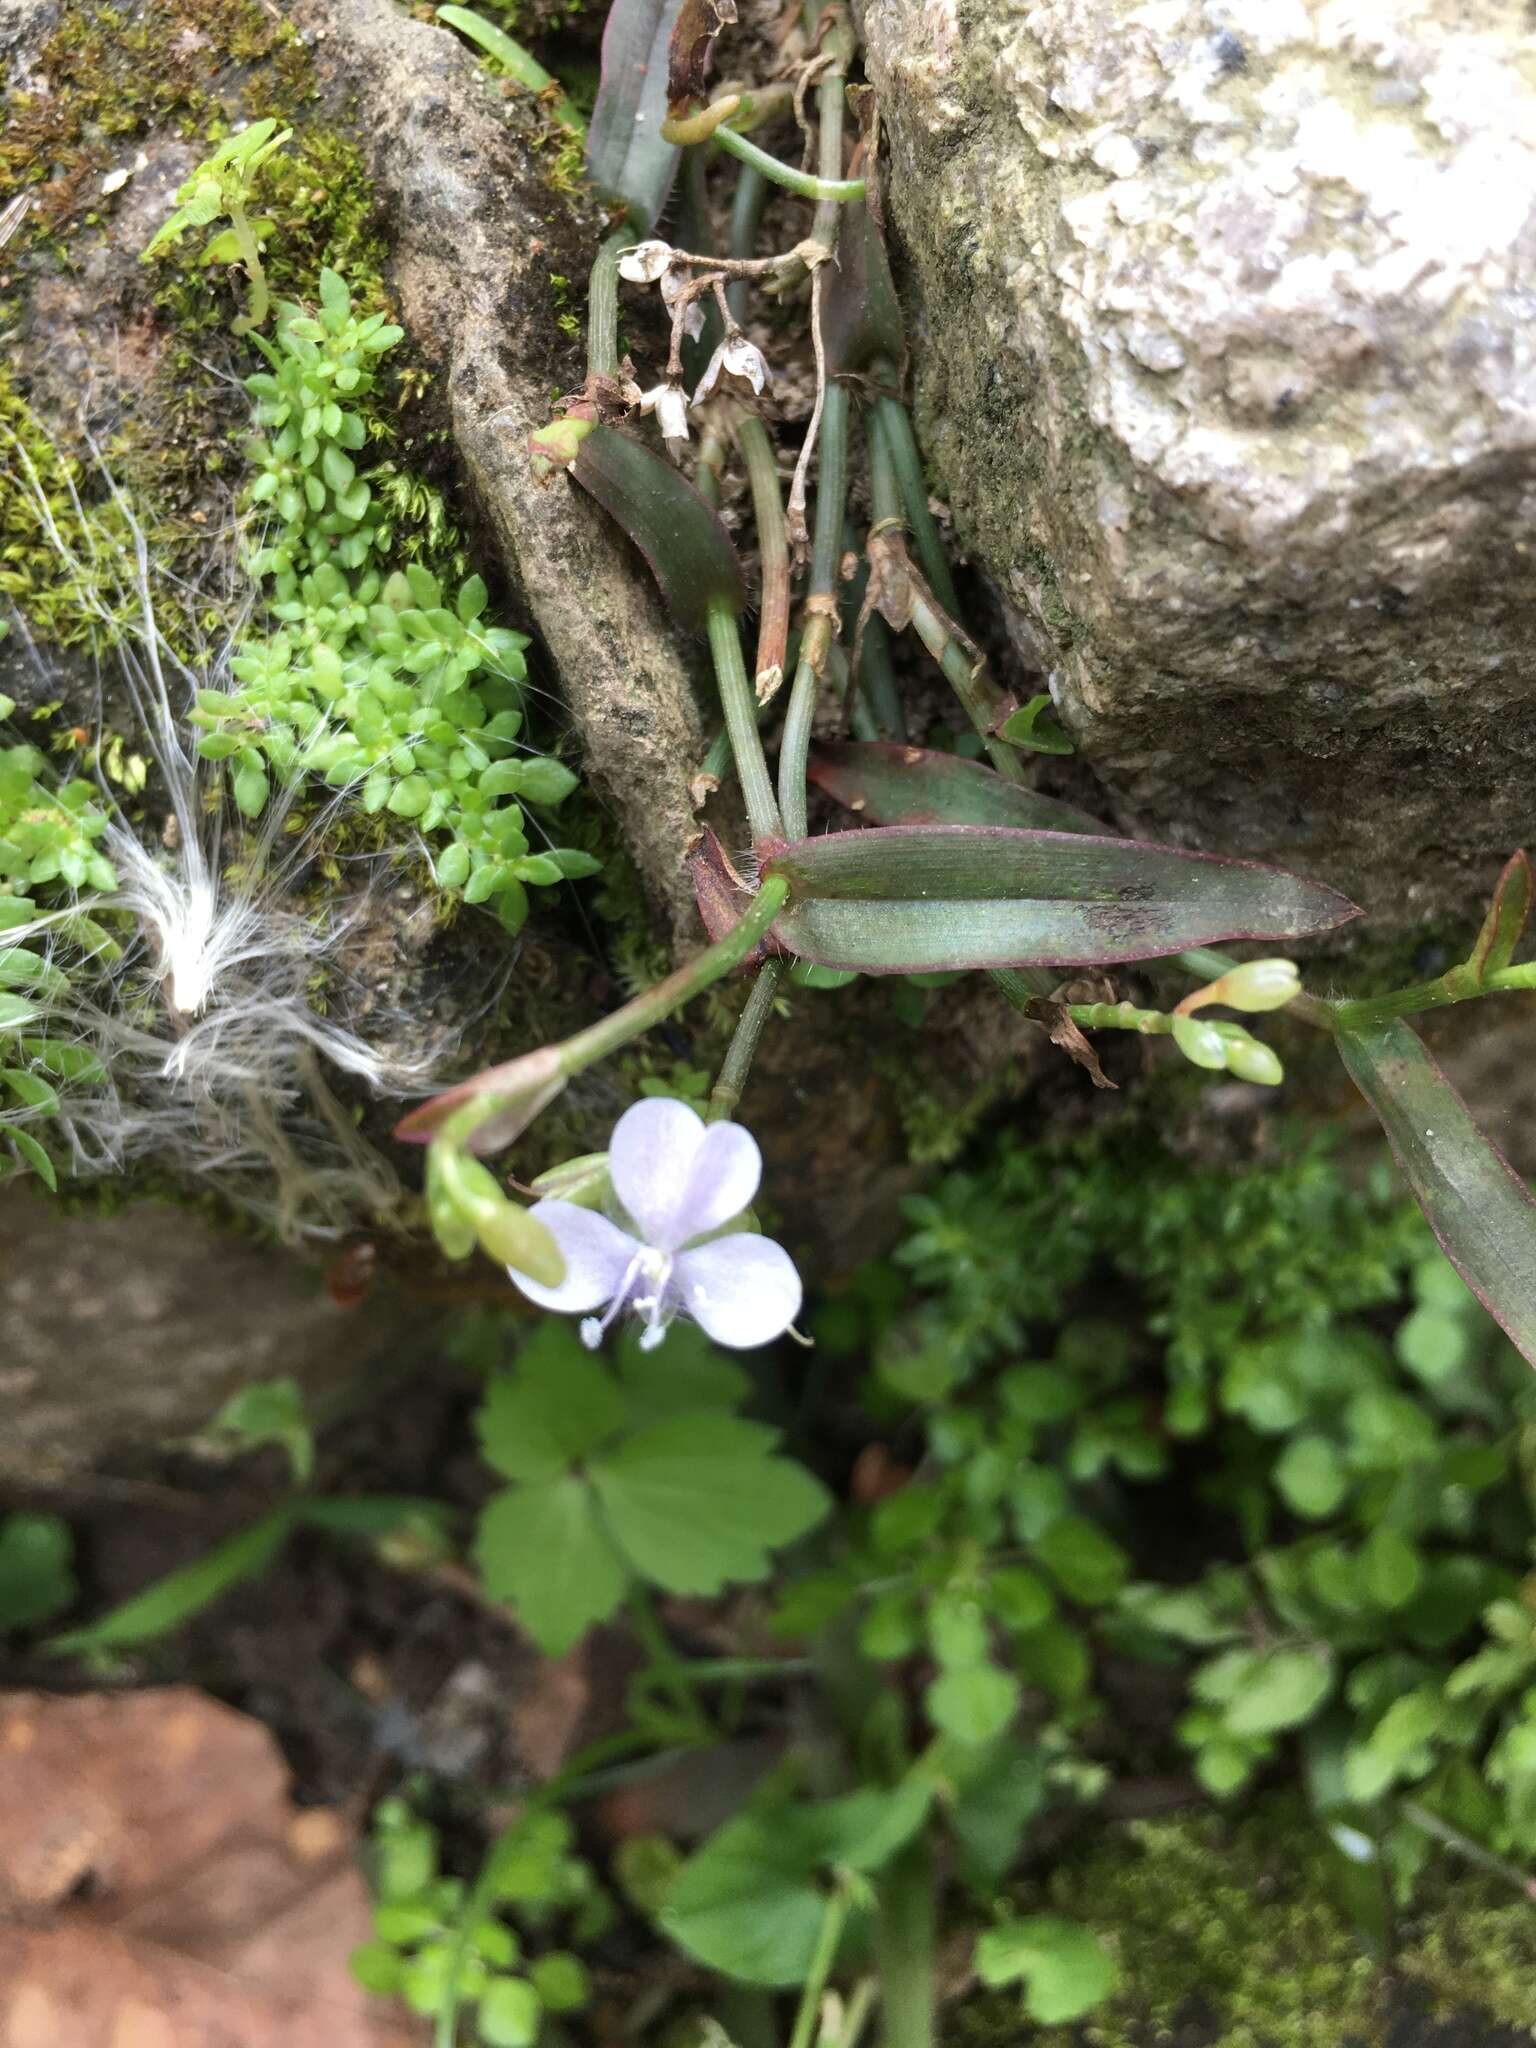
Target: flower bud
<point x="1201" y="1044"/>
<point x="1257" y="985"/>
<point x="1250" y="1060"/>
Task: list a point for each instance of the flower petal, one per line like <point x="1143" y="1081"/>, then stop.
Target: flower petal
<point x="644" y="262"/>
<point x="726" y="1170"/>
<point x="650" y="1162"/>
<point x="597" y="1256"/>
<point x="741" y="1290"/>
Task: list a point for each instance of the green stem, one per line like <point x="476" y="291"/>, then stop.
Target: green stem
<point x="837" y="190"/>
<point x="833" y="1919"/>
<point x="747" y="203"/>
<point x="984" y="704"/>
<point x="737" y="1064"/>
<point x="876" y="681"/>
<point x="982" y="701"/>
<point x="739" y="704"/>
<point x="1464" y="1845"/>
<point x="905" y="1939"/>
<point x="839" y="44"/>
<point x="666" y="1666"/>
<point x="896" y="424"/>
<point x="826" y="554"/>
<point x="1120" y="1017"/>
<point x="643" y="1011"/>
<point x="856" y="2017"/>
<point x="476" y="1907"/>
<point x="757" y="451"/>
<point x="603" y="306"/>
<point x="1458" y="985"/>
<point x="259" y="303"/>
<point x="1021" y="985"/>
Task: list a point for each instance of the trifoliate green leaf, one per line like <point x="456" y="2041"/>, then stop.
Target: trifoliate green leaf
<point x="557" y="1407"/>
<point x="747" y="1903"/>
<point x="542" y="1548"/>
<point x="700" y="1500"/>
<point x="1064" y="1969"/>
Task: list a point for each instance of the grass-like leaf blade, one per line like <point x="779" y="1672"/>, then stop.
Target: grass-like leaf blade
<point x="625" y="153"/>
<point x="1477" y="1205"/>
<point x="1505" y="923"/>
<point x="928" y="898"/>
<point x="170" y="1601"/>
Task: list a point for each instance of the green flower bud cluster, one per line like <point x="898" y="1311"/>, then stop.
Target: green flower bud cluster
<point x="373" y="680"/>
<point x="1206" y="1043"/>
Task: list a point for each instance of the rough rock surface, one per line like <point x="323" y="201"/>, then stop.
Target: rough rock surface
<point x="1225" y="360"/>
<point x="479" y="234"/>
<point x="121" y="1331"/>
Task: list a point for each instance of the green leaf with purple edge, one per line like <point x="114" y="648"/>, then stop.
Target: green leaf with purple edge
<point x="905" y="899"/>
<point x="894" y="785"/>
<point x="683" y="540"/>
<point x="626" y="155"/>
<point x="1477" y="1205"/>
<point x="1505" y="923"/>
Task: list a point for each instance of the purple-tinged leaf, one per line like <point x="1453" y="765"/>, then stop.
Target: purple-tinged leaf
<point x="626" y="155"/>
<point x="1506" y="920"/>
<point x="688" y="549"/>
<point x="860" y="313"/>
<point x="909" y="899"/>
<point x="1477" y="1205"/>
<point x="895" y="785"/>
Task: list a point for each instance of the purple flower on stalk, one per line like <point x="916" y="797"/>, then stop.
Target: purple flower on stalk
<point x="677" y="1180"/>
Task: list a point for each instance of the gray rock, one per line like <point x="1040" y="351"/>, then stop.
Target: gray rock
<point x="120" y="1332"/>
<point x="478" y="233"/>
<point x="1225" y="360"/>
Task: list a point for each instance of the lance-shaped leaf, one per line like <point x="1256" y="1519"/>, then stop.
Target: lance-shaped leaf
<point x="1477" y="1205"/>
<point x="921" y="898"/>
<point x="1506" y="920"/>
<point x="626" y="155"/>
<point x="688" y="549"/>
<point x="895" y="785"/>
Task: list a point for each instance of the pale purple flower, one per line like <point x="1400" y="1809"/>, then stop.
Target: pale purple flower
<point x="676" y="1180"/>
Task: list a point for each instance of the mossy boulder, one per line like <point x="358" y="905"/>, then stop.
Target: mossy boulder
<point x="1223" y="353"/>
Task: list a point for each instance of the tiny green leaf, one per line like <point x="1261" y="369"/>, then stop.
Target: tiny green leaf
<point x="1062" y="1965"/>
<point x="542" y="1548"/>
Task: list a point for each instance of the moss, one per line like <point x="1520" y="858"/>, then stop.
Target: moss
<point x="1475" y="1951"/>
<point x="108" y="75"/>
<point x="1229" y="1935"/>
<point x="1225" y="1933"/>
<point x="35" y="473"/>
